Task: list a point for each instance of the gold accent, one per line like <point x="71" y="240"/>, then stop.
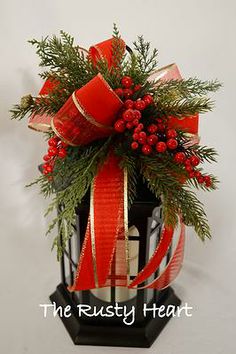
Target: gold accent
<point x="126" y="226"/>
<point x="60" y="136"/>
<point x="35" y="126"/>
<point x="92" y="231"/>
<point x="87" y="116"/>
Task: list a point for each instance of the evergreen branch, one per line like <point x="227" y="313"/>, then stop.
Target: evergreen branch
<point x="26" y="106"/>
<point x="204" y="153"/>
<point x="117" y="50"/>
<point x="186" y="88"/>
<point x="81" y="177"/>
<point x="194" y="183"/>
<point x="177" y="199"/>
<point x="147" y="61"/>
<point x="183" y="107"/>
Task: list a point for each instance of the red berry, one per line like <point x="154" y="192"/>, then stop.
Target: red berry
<point x="119" y="126"/>
<point x="161" y="146"/>
<point x="137" y="88"/>
<point x="47" y="157"/>
<point x="126" y="81"/>
<point x="134" y="145"/>
<point x="139" y="128"/>
<point x="135" y="136"/>
<point x="197" y="174"/>
<point x="129" y="125"/>
<point x="49" y="169"/>
<point x="45" y="172"/>
<point x="128" y="115"/>
<point x="52" y="151"/>
<point x="152" y="128"/>
<point x="194" y="160"/>
<point x="191" y="174"/>
<point x="188" y="168"/>
<point x="53" y="142"/>
<point x="142" y="135"/>
<point x="45" y="166"/>
<point x="62" y="153"/>
<point x="119" y="92"/>
<point x="159" y="120"/>
<point x="139" y="105"/>
<point x="172" y="144"/>
<point x="187" y="162"/>
<point x="128" y="93"/>
<point x="200" y="179"/>
<point x="207" y="180"/>
<point x="135" y="122"/>
<point x="146" y="149"/>
<point x="179" y="157"/>
<point x="142" y="140"/>
<point x="129" y="104"/>
<point x="171" y="133"/>
<point x="161" y="127"/>
<point x="148" y="99"/>
<point x="137" y="114"/>
<point x="152" y="139"/>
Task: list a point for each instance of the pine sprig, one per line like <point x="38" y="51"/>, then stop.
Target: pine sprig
<point x="79" y="179"/>
<point x="186" y="88"/>
<point x="204" y="153"/>
<point x="147" y="61"/>
<point x="177" y="198"/>
<point x="194" y="183"/>
<point x="184" y="107"/>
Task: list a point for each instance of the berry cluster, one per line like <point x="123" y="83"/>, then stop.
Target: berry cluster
<point x="157" y="138"/>
<point x="128" y="88"/>
<point x="190" y="166"/>
<point x="131" y="114"/>
<point x="56" y="149"/>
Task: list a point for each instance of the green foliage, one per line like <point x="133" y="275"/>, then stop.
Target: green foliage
<point x="77" y="177"/>
<point x="147" y="61"/>
<point x="177" y="199"/>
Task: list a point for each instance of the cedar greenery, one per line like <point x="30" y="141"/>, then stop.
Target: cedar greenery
<point x="68" y="65"/>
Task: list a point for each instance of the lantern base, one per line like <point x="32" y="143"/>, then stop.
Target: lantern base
<point x="140" y="335"/>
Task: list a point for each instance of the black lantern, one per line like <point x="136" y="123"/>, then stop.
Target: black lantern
<point x="145" y="223"/>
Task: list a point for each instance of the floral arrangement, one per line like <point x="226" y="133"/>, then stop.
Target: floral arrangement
<point x="111" y="117"/>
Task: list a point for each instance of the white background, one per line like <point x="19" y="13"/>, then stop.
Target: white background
<point x="200" y="37"/>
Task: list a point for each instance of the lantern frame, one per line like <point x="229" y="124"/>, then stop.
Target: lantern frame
<point x="146" y="215"/>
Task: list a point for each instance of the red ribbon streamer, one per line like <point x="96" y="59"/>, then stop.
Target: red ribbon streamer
<point x="106" y="223"/>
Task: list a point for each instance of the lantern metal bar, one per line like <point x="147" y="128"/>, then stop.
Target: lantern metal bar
<point x="69" y="257"/>
<point x="62" y="260"/>
<point x="70" y="263"/>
